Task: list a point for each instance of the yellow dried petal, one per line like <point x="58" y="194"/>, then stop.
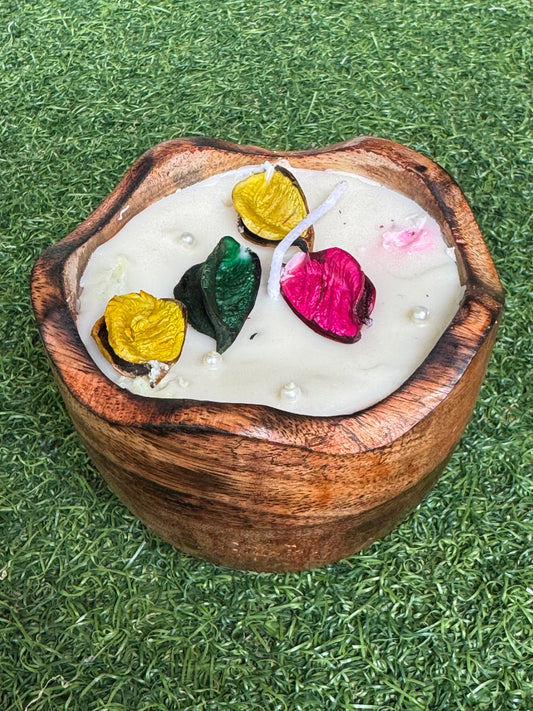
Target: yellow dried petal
<point x="270" y="209"/>
<point x="142" y="328"/>
<point x="96" y="333"/>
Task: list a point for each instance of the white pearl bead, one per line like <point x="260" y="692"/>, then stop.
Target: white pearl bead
<point x="212" y="360"/>
<point x="187" y="240"/>
<point x="419" y="314"/>
<point x="290" y="391"/>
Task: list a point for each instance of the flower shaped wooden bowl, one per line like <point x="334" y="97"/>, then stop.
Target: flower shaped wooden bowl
<point x="251" y="486"/>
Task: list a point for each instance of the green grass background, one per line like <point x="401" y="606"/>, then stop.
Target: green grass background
<point x="95" y="611"/>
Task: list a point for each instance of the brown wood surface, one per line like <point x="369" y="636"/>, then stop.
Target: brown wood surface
<point x="252" y="486"/>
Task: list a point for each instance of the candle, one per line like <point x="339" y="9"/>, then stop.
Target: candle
<point x="276" y="359"/>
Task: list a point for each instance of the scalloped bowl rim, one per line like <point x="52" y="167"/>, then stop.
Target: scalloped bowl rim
<point x="478" y="314"/>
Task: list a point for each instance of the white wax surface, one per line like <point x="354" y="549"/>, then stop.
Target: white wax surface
<point x="276" y="359"/>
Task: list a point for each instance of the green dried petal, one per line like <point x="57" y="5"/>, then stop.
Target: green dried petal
<point x="220" y="293"/>
<point x="189" y="291"/>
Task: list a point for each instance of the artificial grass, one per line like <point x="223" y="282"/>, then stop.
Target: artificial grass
<point x="95" y="611"/>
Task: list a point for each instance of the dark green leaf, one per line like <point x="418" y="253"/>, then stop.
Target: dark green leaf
<point x="189" y="292"/>
<point x="220" y="293"/>
<point x="230" y="282"/>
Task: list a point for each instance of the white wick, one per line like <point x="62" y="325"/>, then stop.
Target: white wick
<point x="269" y="171"/>
<point x="292" y="236"/>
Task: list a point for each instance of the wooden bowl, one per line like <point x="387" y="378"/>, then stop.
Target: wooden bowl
<point x="250" y="486"/>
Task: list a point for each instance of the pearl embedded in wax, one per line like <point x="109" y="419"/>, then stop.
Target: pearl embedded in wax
<point x="290" y="391"/>
<point x="419" y="314"/>
<point x="187" y="240"/>
<point x="212" y="360"/>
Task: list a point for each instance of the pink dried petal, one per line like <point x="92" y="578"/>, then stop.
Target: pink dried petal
<point x="329" y="291"/>
<point x="412" y="239"/>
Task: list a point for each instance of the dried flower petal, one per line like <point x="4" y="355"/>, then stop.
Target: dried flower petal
<point x="416" y="236"/>
<point x="141" y="327"/>
<point x="220" y="293"/>
<point x="270" y="207"/>
<point x="189" y="292"/>
<point x="329" y="291"/>
<point x="140" y="334"/>
<point x="131" y="370"/>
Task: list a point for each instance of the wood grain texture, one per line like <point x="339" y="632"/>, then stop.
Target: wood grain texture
<point x="251" y="486"/>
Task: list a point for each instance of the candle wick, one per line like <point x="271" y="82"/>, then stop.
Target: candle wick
<point x="274" y="277"/>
